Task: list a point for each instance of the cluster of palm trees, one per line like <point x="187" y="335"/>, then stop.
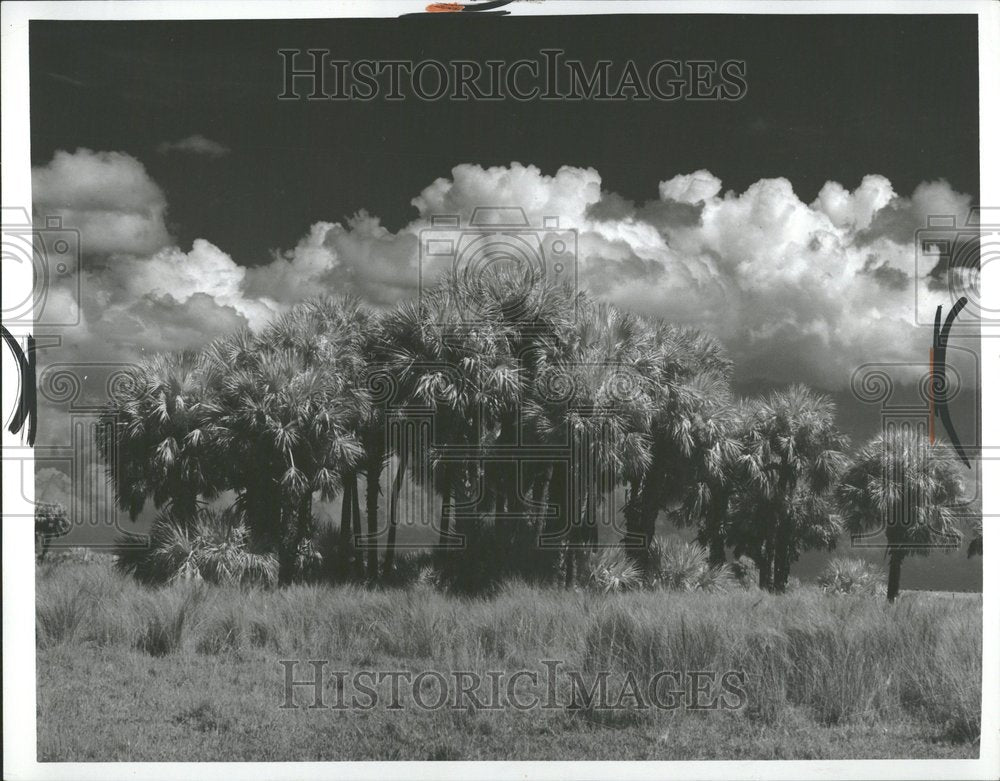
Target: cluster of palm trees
<point x="538" y="402"/>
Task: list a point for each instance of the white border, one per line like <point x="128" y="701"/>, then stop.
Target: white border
<point x="18" y="542"/>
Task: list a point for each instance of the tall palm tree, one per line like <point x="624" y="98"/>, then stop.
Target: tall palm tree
<point x="712" y="465"/>
<point x="152" y="436"/>
<point x="286" y="408"/>
<point x="592" y="395"/>
<point x="792" y="458"/>
<point x="439" y="366"/>
<point x="904" y="484"/>
<point x="358" y="334"/>
<point x="689" y="373"/>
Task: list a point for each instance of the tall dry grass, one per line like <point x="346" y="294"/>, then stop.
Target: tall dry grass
<point x="839" y="659"/>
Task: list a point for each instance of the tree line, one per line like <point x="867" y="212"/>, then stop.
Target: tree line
<point x="543" y="401"/>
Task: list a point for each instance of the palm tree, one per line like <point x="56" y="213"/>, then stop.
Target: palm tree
<point x="904" y="484"/>
<point x="152" y="435"/>
<point x="590" y="394"/>
<point x="711" y="474"/>
<point x="359" y="334"/>
<point x="792" y="458"/>
<point x="286" y="408"/>
<point x="689" y="374"/>
<point x="438" y="366"/>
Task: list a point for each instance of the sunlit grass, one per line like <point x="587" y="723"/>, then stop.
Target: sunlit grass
<point x="819" y="667"/>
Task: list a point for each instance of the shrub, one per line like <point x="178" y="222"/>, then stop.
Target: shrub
<point x="408" y="568"/>
<point x="612" y="570"/>
<point x="852" y="576"/>
<point x="50" y="522"/>
<point x="213" y="547"/>
<point x="684" y="566"/>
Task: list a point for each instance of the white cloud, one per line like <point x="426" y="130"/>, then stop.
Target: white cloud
<point x="797" y="291"/>
<point x="690" y="188"/>
<point x="107" y="196"/>
<point x="195" y="145"/>
<point x="566" y="195"/>
<point x="361" y="258"/>
<point x="854" y="210"/>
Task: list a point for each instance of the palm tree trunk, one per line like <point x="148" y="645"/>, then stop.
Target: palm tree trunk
<point x="717" y="550"/>
<point x="359" y="562"/>
<point x="372" y="489"/>
<point x="896" y="557"/>
<point x="263" y="513"/>
<point x="288" y="541"/>
<point x="570" y="558"/>
<point x="532" y="528"/>
<point x="538" y="489"/>
<point x="397" y="485"/>
<point x="632" y="513"/>
<point x="765" y="571"/>
<point x="782" y="566"/>
<point x="715" y="533"/>
<point x="305" y="525"/>
<point x="185" y="507"/>
<point x="346" y="538"/>
<point x="576" y="536"/>
<point x="446" y="508"/>
<point x="555" y="527"/>
<point x="649" y="510"/>
<point x="782" y="557"/>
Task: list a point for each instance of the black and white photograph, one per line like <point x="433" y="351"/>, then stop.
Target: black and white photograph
<point x="494" y="388"/>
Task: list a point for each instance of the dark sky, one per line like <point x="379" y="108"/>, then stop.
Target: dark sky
<point x="830" y="97"/>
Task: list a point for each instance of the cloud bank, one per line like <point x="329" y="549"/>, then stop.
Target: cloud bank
<point x="798" y="291"/>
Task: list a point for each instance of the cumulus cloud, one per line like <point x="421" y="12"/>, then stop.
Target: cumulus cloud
<point x="194" y="145"/>
<point x="362" y="257"/>
<point x="107" y="196"/>
<point x="690" y="188"/>
<point x="903" y="216"/>
<point x="854" y="209"/>
<point x="798" y="291"/>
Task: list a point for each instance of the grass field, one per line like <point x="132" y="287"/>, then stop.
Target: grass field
<point x="192" y="672"/>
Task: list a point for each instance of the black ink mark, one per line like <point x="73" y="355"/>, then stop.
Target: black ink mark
<point x="450" y="9"/>
<point x="26" y="410"/>
<point x="939" y="377"/>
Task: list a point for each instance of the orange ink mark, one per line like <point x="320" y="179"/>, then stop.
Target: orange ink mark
<point x="444" y="8"/>
<point x="930" y="397"/>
